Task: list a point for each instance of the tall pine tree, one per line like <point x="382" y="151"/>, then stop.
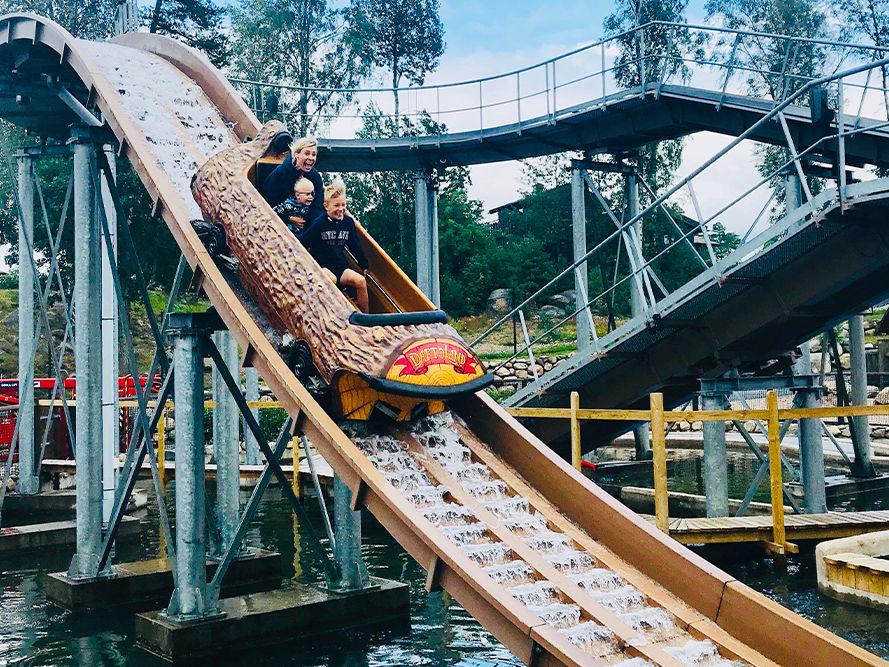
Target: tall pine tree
<point x="299" y="43"/>
<point x="198" y="23"/>
<point x="403" y="37"/>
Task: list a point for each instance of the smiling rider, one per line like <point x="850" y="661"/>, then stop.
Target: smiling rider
<point x="279" y="184"/>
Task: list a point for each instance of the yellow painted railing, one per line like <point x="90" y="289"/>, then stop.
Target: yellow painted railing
<point x="658" y="418"/>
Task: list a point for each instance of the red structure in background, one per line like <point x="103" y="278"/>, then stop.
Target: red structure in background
<point x="9" y="390"/>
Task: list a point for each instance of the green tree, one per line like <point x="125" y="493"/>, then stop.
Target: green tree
<point x="724" y="241"/>
<point x="776" y="66"/>
<point x="647" y="55"/>
<point x="868" y="19"/>
<point x="299" y="43"/>
<point x="87" y="19"/>
<point x="654" y="53"/>
<point x="471" y="263"/>
<point x="198" y="23"/>
<point x="404" y="37"/>
<point x="382" y="197"/>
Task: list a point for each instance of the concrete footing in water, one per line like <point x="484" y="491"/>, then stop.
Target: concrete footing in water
<point x="841" y="486"/>
<point x="54" y="535"/>
<point x="149" y="583"/>
<point x="43" y="506"/>
<point x="272" y="617"/>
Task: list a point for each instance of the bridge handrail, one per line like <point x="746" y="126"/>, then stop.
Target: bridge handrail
<point x="627" y="224"/>
<point x="605" y="40"/>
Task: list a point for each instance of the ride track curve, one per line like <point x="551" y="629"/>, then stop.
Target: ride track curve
<point x="709" y="613"/>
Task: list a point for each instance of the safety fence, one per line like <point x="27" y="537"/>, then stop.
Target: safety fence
<point x="659" y="420"/>
<point x="722" y="61"/>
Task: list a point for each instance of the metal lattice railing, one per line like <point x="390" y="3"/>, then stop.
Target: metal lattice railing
<point x="654" y="298"/>
<point x="727" y="62"/>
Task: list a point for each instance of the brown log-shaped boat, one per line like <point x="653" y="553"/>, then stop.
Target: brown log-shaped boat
<point x="403" y="363"/>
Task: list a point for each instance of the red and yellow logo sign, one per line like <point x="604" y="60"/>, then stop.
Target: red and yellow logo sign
<point x="436" y="362"/>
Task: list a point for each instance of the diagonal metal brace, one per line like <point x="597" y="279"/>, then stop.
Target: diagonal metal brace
<point x="249" y="513"/>
<point x="125" y="486"/>
<point x="331" y="569"/>
<point x="141" y="396"/>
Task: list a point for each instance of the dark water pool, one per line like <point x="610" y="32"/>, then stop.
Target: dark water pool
<point x="34" y="632"/>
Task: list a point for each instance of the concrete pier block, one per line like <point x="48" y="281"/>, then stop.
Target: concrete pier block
<point x="274" y="617"/>
<point x="46" y="505"/>
<point x="147" y="584"/>
<point x="54" y="535"/>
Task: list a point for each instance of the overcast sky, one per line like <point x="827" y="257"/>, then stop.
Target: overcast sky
<point x="494" y="36"/>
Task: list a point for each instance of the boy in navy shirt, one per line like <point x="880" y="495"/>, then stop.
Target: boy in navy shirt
<point x="327" y="239"/>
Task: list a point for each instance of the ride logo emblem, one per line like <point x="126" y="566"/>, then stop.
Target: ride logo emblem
<point x="436" y="362"/>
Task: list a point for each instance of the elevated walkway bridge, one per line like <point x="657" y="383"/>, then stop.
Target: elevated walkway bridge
<point x="789" y="280"/>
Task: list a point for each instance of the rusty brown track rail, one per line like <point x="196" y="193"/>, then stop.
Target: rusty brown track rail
<point x="708" y="602"/>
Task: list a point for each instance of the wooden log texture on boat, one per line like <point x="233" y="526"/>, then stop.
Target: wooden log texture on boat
<point x="280" y="274"/>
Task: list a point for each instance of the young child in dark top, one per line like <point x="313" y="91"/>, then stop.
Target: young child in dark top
<point x="327" y="239"/>
<point x="296" y="211"/>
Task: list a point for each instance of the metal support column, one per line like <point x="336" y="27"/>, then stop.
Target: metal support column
<point x="578" y="227"/>
<point x="251" y="447"/>
<point x="436" y="268"/>
<point x="347" y="529"/>
<point x="425" y="216"/>
<point x="811" y="458"/>
<point x="715" y="458"/>
<point x="811" y="448"/>
<point x="226" y="442"/>
<point x="110" y="389"/>
<point x="642" y="433"/>
<point x="190" y="594"/>
<point x="858" y="394"/>
<point x="28" y="480"/>
<point x="793" y="194"/>
<point x="87" y="357"/>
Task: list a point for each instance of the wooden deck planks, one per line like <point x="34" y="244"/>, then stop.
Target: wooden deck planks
<point x="757" y="528"/>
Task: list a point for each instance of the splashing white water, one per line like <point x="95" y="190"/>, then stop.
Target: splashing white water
<point x="440" y="441"/>
<point x="155" y="95"/>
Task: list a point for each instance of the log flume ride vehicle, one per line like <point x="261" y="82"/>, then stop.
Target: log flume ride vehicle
<point x="398" y="364"/>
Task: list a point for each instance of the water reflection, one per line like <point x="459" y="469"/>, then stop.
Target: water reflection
<point x="33" y="632"/>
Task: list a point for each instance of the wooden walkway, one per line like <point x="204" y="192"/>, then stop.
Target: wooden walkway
<point x="799" y="527"/>
<point x="246" y="471"/>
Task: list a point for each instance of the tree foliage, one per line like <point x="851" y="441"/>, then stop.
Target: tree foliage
<point x="198" y="23"/>
<point x="868" y="20"/>
<point x="471" y="263"/>
<point x="540" y="232"/>
<point x="299" y="43"/>
<point x="649" y="55"/>
<point x="775" y="67"/>
<point x="87" y="19"/>
<point x="403" y="37"/>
